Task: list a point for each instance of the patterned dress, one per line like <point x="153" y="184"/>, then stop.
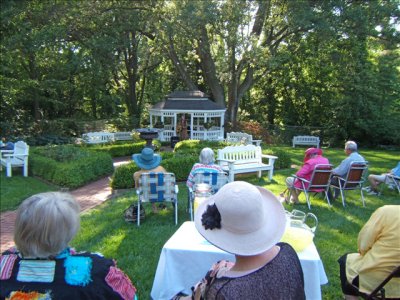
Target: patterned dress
<point x="69" y="275"/>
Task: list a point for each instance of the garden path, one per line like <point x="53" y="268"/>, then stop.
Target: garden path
<point x="88" y="196"/>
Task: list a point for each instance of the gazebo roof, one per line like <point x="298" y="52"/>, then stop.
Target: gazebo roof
<point x="187" y="100"/>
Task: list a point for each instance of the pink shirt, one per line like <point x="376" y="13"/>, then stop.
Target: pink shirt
<point x="308" y="168"/>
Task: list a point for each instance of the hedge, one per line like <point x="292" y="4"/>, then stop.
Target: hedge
<point x="69" y="166"/>
<point x="119" y="149"/>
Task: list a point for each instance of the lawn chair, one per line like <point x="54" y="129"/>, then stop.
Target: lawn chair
<point x="15" y="158"/>
<point x="157" y="187"/>
<point x="319" y="182"/>
<point x="393" y="180"/>
<point x="215" y="179"/>
<point x="379" y="291"/>
<point x="353" y="180"/>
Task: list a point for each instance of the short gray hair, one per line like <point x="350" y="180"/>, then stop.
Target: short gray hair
<point x="45" y="224"/>
<point x="351" y="145"/>
<point x="207" y="156"/>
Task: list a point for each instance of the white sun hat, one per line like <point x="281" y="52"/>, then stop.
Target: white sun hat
<point x="252" y="219"/>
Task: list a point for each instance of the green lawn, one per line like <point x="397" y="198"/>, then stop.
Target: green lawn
<point x="13" y="190"/>
<point x="137" y="250"/>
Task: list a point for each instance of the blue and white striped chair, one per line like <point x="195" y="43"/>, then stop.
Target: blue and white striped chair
<point x="157" y="187"/>
<point x="215" y="179"/>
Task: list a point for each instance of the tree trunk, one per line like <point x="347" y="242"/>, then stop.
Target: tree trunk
<point x="209" y="69"/>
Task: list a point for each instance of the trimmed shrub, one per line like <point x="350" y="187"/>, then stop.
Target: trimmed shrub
<point x="180" y="165"/>
<point x="283" y="162"/>
<point x="69" y="166"/>
<point x="123" y="176"/>
<point x="119" y="149"/>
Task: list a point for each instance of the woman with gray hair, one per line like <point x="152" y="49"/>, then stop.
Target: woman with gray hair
<point x="205" y="164"/>
<point x="43" y="266"/>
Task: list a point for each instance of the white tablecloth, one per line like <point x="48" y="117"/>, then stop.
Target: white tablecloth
<point x="187" y="256"/>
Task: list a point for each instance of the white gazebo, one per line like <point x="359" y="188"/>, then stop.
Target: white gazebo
<point x="188" y="114"/>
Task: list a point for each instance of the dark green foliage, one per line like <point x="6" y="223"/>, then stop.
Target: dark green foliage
<point x="69" y="166"/>
<point x="283" y="162"/>
<point x="195" y="146"/>
<point x="119" y="149"/>
<point x="123" y="176"/>
<point x="180" y="165"/>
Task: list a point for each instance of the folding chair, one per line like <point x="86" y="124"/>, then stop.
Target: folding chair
<point x="319" y="182"/>
<point x="157" y="187"/>
<point x="215" y="179"/>
<point x="394" y="180"/>
<point x="379" y="291"/>
<point x="354" y="179"/>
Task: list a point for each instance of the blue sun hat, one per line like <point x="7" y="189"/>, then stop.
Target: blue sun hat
<point x="147" y="160"/>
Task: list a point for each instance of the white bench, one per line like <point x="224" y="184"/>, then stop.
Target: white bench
<point x="244" y="159"/>
<point x="123" y="136"/>
<point x="15" y="158"/>
<point x="241" y="138"/>
<point x="306" y="140"/>
<point x="105" y="137"/>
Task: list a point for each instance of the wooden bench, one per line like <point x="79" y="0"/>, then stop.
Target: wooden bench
<point x="241" y="138"/>
<point x="15" y="158"/>
<point x="244" y="159"/>
<point x="105" y="137"/>
<point x="306" y="140"/>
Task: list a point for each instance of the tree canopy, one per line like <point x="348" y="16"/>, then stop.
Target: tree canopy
<point x="327" y="64"/>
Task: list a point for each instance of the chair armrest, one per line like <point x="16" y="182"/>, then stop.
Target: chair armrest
<point x="256" y="142"/>
<point x="301" y="179"/>
<point x="176" y="189"/>
<point x="269" y="156"/>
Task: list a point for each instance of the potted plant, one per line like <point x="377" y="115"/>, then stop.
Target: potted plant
<point x="208" y="125"/>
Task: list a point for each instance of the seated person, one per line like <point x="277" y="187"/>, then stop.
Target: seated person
<point x="247" y="221"/>
<point x="43" y="266"/>
<point x="377" y="256"/>
<point x="376" y="180"/>
<point x="148" y="162"/>
<point x="6" y="145"/>
<point x="350" y="148"/>
<point x="205" y="164"/>
<point x="312" y="157"/>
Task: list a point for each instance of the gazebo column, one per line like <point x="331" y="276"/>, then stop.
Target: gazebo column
<point x="191" y="126"/>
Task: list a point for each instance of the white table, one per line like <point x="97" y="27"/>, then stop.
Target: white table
<point x="187" y="256"/>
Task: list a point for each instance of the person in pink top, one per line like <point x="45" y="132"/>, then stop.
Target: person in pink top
<point x="312" y="157"/>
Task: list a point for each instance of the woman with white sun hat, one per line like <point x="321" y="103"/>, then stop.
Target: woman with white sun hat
<point x="248" y="221"/>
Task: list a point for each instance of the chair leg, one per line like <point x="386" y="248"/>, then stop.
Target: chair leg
<point x="138" y="213"/>
<point x="9" y="170"/>
<point x="327" y="197"/>
<point x="307" y="199"/>
<point x="176" y="210"/>
<point x="362" y="196"/>
<point x="25" y="170"/>
<point x="342" y="194"/>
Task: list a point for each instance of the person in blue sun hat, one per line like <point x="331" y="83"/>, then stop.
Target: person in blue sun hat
<point x="148" y="162"/>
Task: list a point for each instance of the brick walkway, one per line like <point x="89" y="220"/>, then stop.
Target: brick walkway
<point x="88" y="197"/>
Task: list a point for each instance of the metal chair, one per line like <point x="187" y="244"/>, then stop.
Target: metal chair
<point x="157" y="187"/>
<point x="379" y="291"/>
<point x="353" y="180"/>
<point x="215" y="179"/>
<point x="319" y="182"/>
